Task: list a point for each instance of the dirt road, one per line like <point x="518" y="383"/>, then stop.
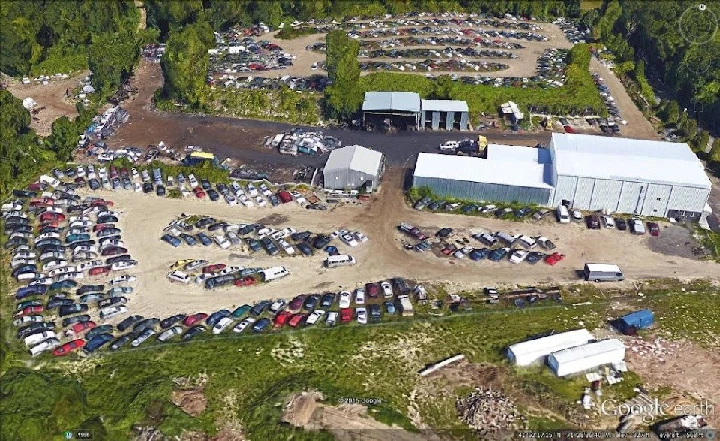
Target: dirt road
<point x="638" y="126"/>
<point x="143" y="218"/>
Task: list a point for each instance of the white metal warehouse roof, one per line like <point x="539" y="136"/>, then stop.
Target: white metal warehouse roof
<point x="444" y="106"/>
<point x="501" y="152"/>
<point x="528" y="352"/>
<point x="354" y="157"/>
<point x="628" y="159"/>
<point x="587" y="350"/>
<point x="465" y="168"/>
<point x="402" y="101"/>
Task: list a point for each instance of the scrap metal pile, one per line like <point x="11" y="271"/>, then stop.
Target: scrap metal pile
<point x="237" y="51"/>
<point x="298" y="140"/>
<point x="488" y="411"/>
<point x="389" y="43"/>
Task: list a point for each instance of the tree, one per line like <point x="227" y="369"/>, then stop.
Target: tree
<point x="185" y="65"/>
<point x="671" y="113"/>
<point x="690" y="128"/>
<point x="715" y="151"/>
<point x="111" y="59"/>
<point x="64" y="138"/>
<point x="344" y="96"/>
<point x="701" y="140"/>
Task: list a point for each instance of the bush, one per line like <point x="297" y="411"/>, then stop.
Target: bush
<point x="284" y="104"/>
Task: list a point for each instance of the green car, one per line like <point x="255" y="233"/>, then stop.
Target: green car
<point x="241" y="311"/>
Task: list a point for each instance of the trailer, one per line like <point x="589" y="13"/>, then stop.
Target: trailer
<point x="405" y="306"/>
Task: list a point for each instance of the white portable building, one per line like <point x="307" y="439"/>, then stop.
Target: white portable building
<point x="528" y="352"/>
<point x="588" y="356"/>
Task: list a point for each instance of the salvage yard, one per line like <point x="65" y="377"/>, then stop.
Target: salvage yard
<point x="143" y="217"/>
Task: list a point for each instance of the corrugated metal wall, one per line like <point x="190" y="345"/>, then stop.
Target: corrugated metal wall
<point x="484" y="192"/>
<point x="564" y="189"/>
<point x="342" y="179"/>
<point x="583" y="193"/>
<point x="656" y="200"/>
<point x="464" y="117"/>
<point x="605" y="195"/>
<point x="435" y="120"/>
<point x="629" y="196"/>
<point x="688" y="199"/>
<point x="449" y="120"/>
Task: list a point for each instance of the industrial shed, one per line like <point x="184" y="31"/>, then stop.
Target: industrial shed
<point x="533" y="351"/>
<point x="399" y="109"/>
<point x="445" y="114"/>
<point x="352" y="167"/>
<point x="641" y="177"/>
<point x="585" y="357"/>
<point x="511" y="174"/>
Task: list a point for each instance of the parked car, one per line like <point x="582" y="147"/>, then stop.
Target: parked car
<point x="194" y="319"/>
<point x="241" y="311"/>
<point x="608" y="221"/>
<point x="636" y="226"/>
<point x="654" y="228"/>
<point x="593" y="222"/>
<point x="128" y="322"/>
<point x="361" y="314"/>
<point x="620" y="223"/>
<point x="96" y="342"/>
<point x="143" y="336"/>
<point x="240" y="327"/>
<point x="170" y="333"/>
<point x="69" y="347"/>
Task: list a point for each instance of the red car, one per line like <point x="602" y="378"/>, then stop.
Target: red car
<point x="554" y="258"/>
<point x="53" y="224"/>
<point x="195" y="318"/>
<point x="569" y="129"/>
<point x="281" y="318"/>
<point x="215" y="267"/>
<point x="81" y="327"/>
<point x="30" y="310"/>
<point x="199" y="193"/>
<point x="245" y="281"/>
<point x="284" y="197"/>
<point x="42" y="202"/>
<point x="346" y="315"/>
<point x="448" y="251"/>
<point x="98" y="202"/>
<point x="99" y="227"/>
<point x="295" y="320"/>
<point x="35" y="186"/>
<point x="69" y="347"/>
<point x="52" y="217"/>
<point x="372" y="290"/>
<point x="99" y="271"/>
<point x="654" y="228"/>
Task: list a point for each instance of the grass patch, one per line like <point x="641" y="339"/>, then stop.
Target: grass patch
<point x="710" y="240"/>
<point x="586" y="5"/>
<point x="691" y="315"/>
<point x="283" y="104"/>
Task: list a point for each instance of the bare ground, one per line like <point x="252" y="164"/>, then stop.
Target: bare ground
<point x="191" y="401"/>
<point x="51" y="97"/>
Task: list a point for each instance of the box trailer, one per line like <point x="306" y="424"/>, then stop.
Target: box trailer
<point x="405" y="306"/>
<point x="630" y="323"/>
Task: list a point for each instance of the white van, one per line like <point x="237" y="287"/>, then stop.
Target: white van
<point x="603" y="272"/>
<point x="275" y="272"/>
<point x="45" y="179"/>
<point x="339" y="260"/>
<point x="563" y="215"/>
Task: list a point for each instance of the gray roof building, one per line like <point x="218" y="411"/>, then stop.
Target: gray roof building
<point x="353" y="166"/>
<point x="391" y="101"/>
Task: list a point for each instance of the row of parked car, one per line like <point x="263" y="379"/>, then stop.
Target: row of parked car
<point x="219" y="274"/>
<point x="58" y="239"/>
<point x="256" y="237"/>
<point x="304" y="310"/>
<point x="596" y="221"/>
<point x="485" y="210"/>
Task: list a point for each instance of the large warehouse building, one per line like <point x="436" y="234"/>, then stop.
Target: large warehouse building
<point x="406" y="110"/>
<point x="352" y="167"/>
<point x="648" y="178"/>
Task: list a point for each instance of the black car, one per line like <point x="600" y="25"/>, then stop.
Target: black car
<point x="24" y="194"/>
<point x="192" y="332"/>
<point x="400" y="285"/>
<point x="434" y="206"/>
<point x="107" y="219"/>
<point x="204" y="222"/>
<point x="129" y="321"/>
<point x="534" y="257"/>
<point x="497" y="254"/>
<point x="253" y="244"/>
<point x="260" y="307"/>
<point x="218" y="226"/>
<point x="213" y="195"/>
<point x="145" y="324"/>
<point x="120" y="341"/>
<point x="102" y="329"/>
<point x="327" y="300"/>
<point x="620" y="224"/>
<point x="205" y="184"/>
<point x="119" y="258"/>
<point x="24" y="269"/>
<point x="593" y="222"/>
<point x="216" y="316"/>
<point x="274" y="200"/>
<point x="15" y="242"/>
<point x="160" y="190"/>
<point x="269" y="246"/>
<point x="75" y="319"/>
<point x="311" y="302"/>
<point x="58" y="302"/>
<point x="35" y="328"/>
<point x="469" y="209"/>
<point x="374" y="312"/>
<point x="300" y="236"/>
<point x="321" y="241"/>
<point x="247" y="229"/>
<point x="166" y="323"/>
<point x="444" y="232"/>
<point x="72" y="309"/>
<point x="222" y="188"/>
<point x="304" y="248"/>
<point x="147" y="187"/>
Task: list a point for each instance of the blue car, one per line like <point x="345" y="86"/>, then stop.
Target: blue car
<point x="216" y="316"/>
<point x="261" y="325"/>
<point x="28" y="291"/>
<point x="478" y="254"/>
<point x="77" y="238"/>
<point x="96" y="342"/>
<point x="188" y="239"/>
<point x="172" y="240"/>
<point x="63" y="284"/>
<point x="332" y="250"/>
<point x="204" y="239"/>
<point x="389" y="307"/>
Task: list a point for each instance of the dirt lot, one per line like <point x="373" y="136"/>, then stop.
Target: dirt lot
<point x="144" y="216"/>
<point x="51" y="97"/>
<point x="523" y="66"/>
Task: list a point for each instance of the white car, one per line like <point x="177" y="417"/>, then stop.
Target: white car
<point x="527" y="241"/>
<point x="27" y="319"/>
<point x="230" y="199"/>
<point x="387" y="289"/>
<point x="142" y="337"/>
<point x="195" y="264"/>
<point x="278" y="305"/>
<point x="265" y="232"/>
<point x="277" y="235"/>
<point x="300" y="199"/>
<point x="84" y="266"/>
<point x="314" y="316"/>
<point x="349" y="239"/>
<point x="85" y="248"/>
<point x="20" y="262"/>
<point x="252" y="191"/>
<point x="289" y="231"/>
<point x="240" y="327"/>
<point x="360" y="237"/>
<point x="577" y="215"/>
<point x="221" y="325"/>
<point x="170" y="333"/>
<point x="179" y="276"/>
<point x="260" y="201"/>
<point x="193" y="181"/>
<point x="81" y="222"/>
<point x="80" y="171"/>
<point x="44" y="346"/>
<point x="265" y="190"/>
<point x="137" y="187"/>
<point x="331" y="318"/>
<point x="34" y="339"/>
<point x="286" y="247"/>
<point x="360" y="296"/>
<point x="126" y="278"/>
<point x="361" y="314"/>
<point x="608" y="222"/>
<point x="246" y="202"/>
<point x="63" y="270"/>
<point x="112" y="311"/>
<point x="54" y="264"/>
<point x="345" y="299"/>
<point x="123" y="265"/>
<point x="25" y="254"/>
<point x="203" y="277"/>
<point x="222" y="242"/>
<point x="518" y="256"/>
<point x="184" y="191"/>
<point x="449" y="146"/>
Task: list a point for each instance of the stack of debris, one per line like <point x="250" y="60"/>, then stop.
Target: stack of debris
<point x="488" y="412"/>
<point x="305" y="141"/>
<point x="658" y="349"/>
